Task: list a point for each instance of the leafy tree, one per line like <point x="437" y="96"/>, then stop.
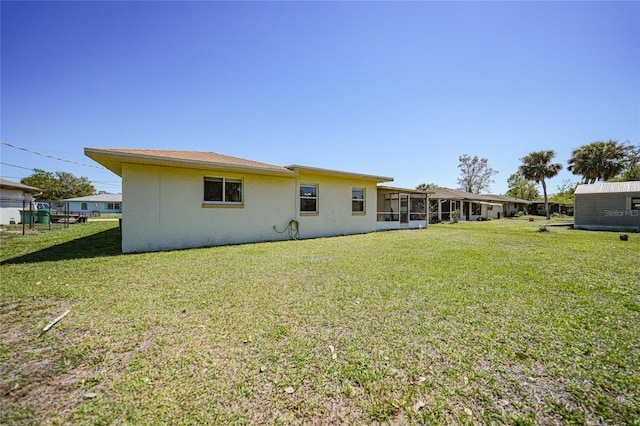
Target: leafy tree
<point x="601" y="160"/>
<point x="60" y="185"/>
<point x="537" y="166"/>
<point x="565" y="192"/>
<point x="520" y="187"/>
<point x="426" y="186"/>
<point x="632" y="168"/>
<point x="475" y="174"/>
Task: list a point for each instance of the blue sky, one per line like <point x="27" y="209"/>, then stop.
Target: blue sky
<point x="396" y="89"/>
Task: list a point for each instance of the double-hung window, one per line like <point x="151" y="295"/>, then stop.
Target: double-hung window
<point x="219" y="190"/>
<point x="308" y="198"/>
<point x="357" y="200"/>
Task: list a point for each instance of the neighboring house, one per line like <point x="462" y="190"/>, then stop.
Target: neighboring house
<point x="180" y="199"/>
<point x="92" y="204"/>
<point x="611" y="206"/>
<point x="445" y="201"/>
<point x="511" y="205"/>
<point x="13" y="198"/>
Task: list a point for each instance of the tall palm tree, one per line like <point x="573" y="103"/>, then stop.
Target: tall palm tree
<point x="537" y="166"/>
<point x="600" y="160"/>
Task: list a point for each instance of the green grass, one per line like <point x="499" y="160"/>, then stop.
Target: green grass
<point x="471" y="323"/>
<point x="109" y="216"/>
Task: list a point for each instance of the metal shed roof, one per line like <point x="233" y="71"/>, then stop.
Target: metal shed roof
<point x="608" y="187"/>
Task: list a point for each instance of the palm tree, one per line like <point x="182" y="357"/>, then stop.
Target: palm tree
<point x="537" y="166"/>
<point x="599" y="160"/>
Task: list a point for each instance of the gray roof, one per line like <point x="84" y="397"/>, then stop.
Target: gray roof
<point x="608" y="187"/>
<point x="455" y="194"/>
<point x="14" y="185"/>
<point x="104" y="198"/>
<point x="508" y="199"/>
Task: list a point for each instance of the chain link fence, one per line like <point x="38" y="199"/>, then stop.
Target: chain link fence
<point x="28" y="217"/>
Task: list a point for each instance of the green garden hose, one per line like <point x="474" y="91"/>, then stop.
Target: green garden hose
<point x="293" y="227"/>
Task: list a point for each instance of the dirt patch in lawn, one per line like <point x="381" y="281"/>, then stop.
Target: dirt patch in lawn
<point x="40" y="378"/>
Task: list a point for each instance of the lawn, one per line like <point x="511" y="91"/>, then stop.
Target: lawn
<point x="468" y="323"/>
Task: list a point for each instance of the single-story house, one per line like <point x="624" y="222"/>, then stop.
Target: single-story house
<point x="611" y="206"/>
<point x="13" y="198"/>
<point x="510" y="205"/>
<point x="102" y="203"/>
<point x="445" y="201"/>
<point x="538" y="207"/>
<point x="181" y="199"/>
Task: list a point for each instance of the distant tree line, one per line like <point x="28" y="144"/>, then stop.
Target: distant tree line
<point x="59" y="185"/>
<point x="597" y="161"/>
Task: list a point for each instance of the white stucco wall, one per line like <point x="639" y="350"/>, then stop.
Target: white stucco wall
<point x="163" y="208"/>
<point x="493" y="212"/>
<point x="334" y="207"/>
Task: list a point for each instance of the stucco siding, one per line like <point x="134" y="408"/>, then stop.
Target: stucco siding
<point x="335" y="216"/>
<point x="606" y="211"/>
<point x="163" y="209"/>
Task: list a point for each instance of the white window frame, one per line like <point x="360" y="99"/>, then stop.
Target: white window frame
<point x="316" y="198"/>
<point x="363" y="200"/>
<point x="224" y="201"/>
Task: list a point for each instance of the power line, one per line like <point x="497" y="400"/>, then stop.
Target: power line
<point x="101" y="182"/>
<point x="51" y="156"/>
<point x="19" y="167"/>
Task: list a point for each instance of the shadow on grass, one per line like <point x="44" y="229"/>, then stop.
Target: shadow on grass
<point x="105" y="243"/>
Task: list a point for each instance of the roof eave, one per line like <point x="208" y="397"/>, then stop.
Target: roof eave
<point x="379" y="179"/>
<point x="19" y="186"/>
<point x="114" y="160"/>
<point x="413" y="191"/>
